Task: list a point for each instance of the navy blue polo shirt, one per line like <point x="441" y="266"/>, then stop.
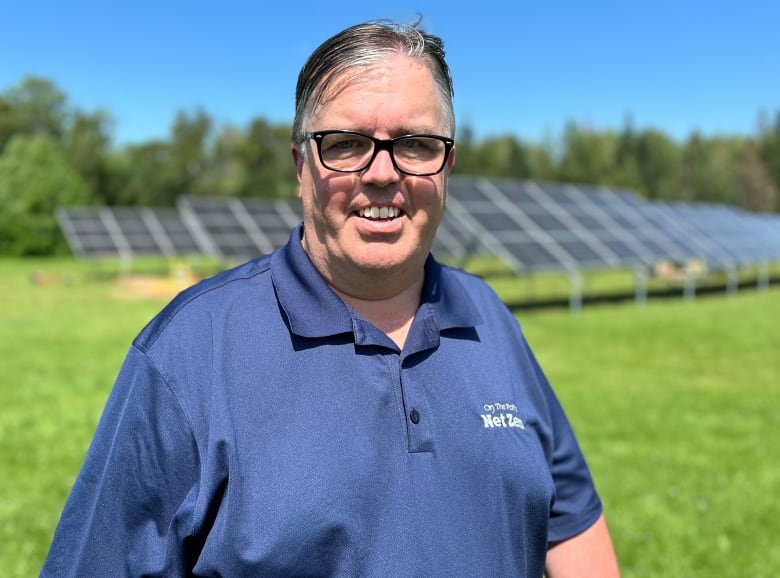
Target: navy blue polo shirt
<point x="260" y="427"/>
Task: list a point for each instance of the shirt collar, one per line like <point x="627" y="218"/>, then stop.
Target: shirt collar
<point x="314" y="310"/>
<point x="448" y="301"/>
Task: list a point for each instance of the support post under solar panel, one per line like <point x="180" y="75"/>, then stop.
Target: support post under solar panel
<point x="249" y="225"/>
<point x="117" y="236"/>
<point x="732" y="281"/>
<point x="481" y="237"/>
<point x="640" y="284"/>
<point x="189" y="218"/>
<point x="157" y="231"/>
<point x="689" y="287"/>
<point x="763" y="276"/>
<point x="69" y="230"/>
<point x="575" y="291"/>
<point x="286" y="212"/>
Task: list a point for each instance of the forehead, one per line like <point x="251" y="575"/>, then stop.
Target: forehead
<point x="397" y="91"/>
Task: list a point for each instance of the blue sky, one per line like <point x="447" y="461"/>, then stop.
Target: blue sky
<point x="522" y="68"/>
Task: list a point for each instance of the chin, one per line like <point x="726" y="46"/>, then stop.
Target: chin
<point x="388" y="257"/>
<point x="379" y="263"/>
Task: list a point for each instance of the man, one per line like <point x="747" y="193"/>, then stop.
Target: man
<point x="345" y="406"/>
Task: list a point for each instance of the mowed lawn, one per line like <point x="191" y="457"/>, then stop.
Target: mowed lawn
<point x="677" y="405"/>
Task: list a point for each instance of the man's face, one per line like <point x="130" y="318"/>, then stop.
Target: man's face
<point x="396" y="97"/>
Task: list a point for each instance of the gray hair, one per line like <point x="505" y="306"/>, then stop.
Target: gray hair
<point x="362" y="46"/>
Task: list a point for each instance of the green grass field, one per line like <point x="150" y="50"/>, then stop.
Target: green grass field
<point x="677" y="405"/>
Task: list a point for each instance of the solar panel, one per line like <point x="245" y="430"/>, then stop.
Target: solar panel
<point x="494" y="217"/>
<point x="126" y="231"/>
<point x="609" y="216"/>
<point x="232" y="233"/>
<point x="553" y="239"/>
<point x="456" y="238"/>
<point x="530" y="226"/>
<point x="172" y="233"/>
<point x="86" y="232"/>
<point x="766" y="235"/>
<point x="590" y="250"/>
<point x="275" y="218"/>
<point x="148" y="231"/>
<point x="636" y="220"/>
<point x="681" y="227"/>
<point x="733" y="233"/>
<point x="242" y="228"/>
<point x="568" y="226"/>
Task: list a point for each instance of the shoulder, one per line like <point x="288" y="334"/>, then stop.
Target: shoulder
<point x="482" y="295"/>
<point x="198" y="304"/>
<point x="471" y="282"/>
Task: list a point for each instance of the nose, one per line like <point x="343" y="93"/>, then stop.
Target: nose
<point x="381" y="171"/>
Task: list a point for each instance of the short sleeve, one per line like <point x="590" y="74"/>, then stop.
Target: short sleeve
<point x="576" y="504"/>
<point x="131" y="508"/>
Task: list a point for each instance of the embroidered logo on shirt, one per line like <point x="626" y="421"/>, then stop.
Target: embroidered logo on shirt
<point x="501" y="415"/>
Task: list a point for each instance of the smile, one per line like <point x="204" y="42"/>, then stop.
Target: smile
<point x="379" y="212"/>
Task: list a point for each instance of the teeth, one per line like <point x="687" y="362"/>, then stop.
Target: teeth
<point x="380" y="212"/>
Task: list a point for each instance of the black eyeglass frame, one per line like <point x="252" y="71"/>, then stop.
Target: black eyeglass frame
<point x="381" y="145"/>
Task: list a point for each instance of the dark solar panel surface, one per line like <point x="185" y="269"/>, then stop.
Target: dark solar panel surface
<point x="531" y="226"/>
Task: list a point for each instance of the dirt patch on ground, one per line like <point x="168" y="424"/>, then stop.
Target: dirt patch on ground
<point x="151" y="287"/>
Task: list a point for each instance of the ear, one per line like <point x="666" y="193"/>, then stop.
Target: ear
<point x="299" y="157"/>
<point x="451" y="160"/>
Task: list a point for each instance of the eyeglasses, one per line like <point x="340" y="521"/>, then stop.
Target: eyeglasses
<point x="347" y="151"/>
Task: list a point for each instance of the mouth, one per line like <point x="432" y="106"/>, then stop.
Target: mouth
<point x="375" y="213"/>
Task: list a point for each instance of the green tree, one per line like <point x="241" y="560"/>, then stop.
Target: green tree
<point x="757" y="190"/>
<point x="465" y="151"/>
<point x="189" y="160"/>
<point x="693" y="175"/>
<point x="35" y="179"/>
<point x="502" y="156"/>
<point x="87" y="146"/>
<point x="709" y="169"/>
<point x="7" y="122"/>
<point x="228" y="176"/>
<point x="499" y="156"/>
<point x="142" y="175"/>
<point x="658" y="164"/>
<point x="542" y="164"/>
<point x="38" y="108"/>
<point x="267" y="160"/>
<point x="588" y="156"/>
<point x="769" y="149"/>
<point x="626" y="170"/>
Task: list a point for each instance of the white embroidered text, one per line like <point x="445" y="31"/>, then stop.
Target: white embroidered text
<point x="502" y="420"/>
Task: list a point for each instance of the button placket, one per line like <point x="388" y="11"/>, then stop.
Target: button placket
<point x="417" y="414"/>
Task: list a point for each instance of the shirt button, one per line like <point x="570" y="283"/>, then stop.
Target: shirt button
<point x="414" y="415"/>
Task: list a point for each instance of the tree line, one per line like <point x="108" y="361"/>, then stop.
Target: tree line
<point x="53" y="154"/>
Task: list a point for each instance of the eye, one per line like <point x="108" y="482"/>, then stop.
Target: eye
<point x="410" y="143"/>
<point x="344" y="143"/>
<point x="419" y="147"/>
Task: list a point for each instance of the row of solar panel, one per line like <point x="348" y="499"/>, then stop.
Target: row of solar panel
<point x="531" y="226"/>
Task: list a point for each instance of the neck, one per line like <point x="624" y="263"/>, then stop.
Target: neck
<point x="386" y="298"/>
<point x="392" y="315"/>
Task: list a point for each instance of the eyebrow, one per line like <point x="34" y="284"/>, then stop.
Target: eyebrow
<point x="397" y="131"/>
<point x="427" y="130"/>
